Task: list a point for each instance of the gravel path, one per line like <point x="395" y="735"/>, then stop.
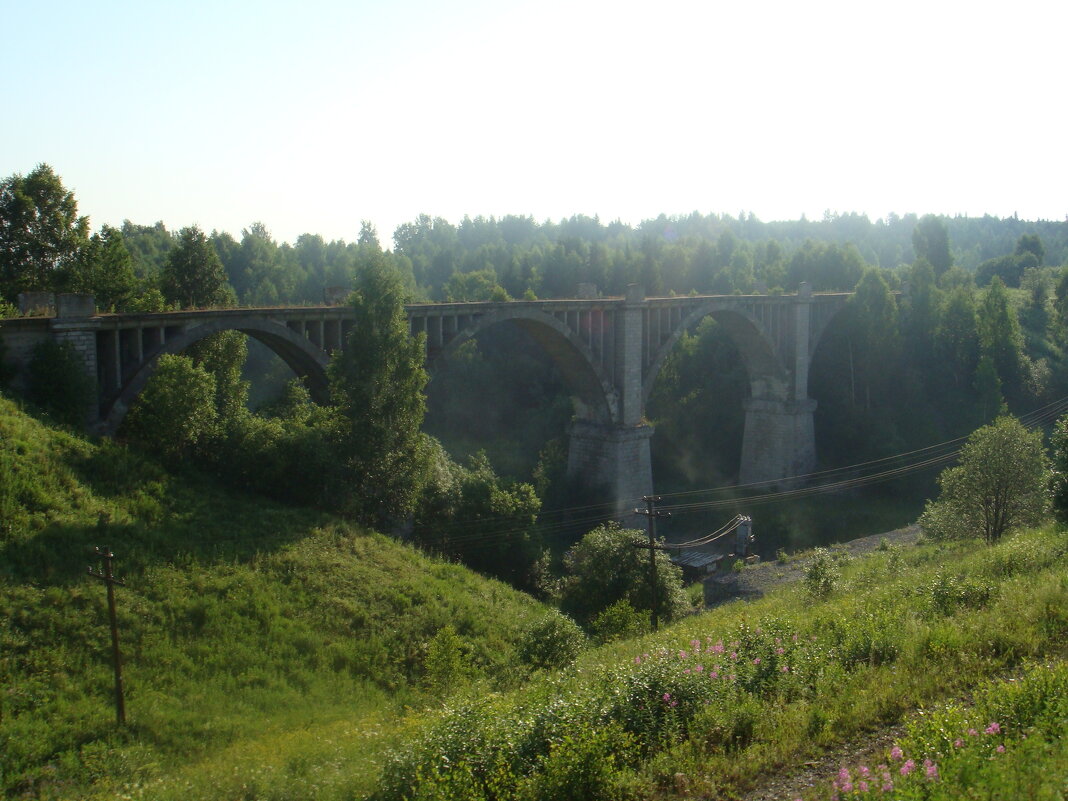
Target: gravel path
<point x="755" y="580"/>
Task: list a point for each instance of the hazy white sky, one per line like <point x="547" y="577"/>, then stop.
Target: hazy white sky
<point x="311" y="117"/>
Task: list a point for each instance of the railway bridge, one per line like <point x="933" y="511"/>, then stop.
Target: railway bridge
<point x="608" y="350"/>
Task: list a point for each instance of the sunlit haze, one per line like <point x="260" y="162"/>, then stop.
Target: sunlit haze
<point x="311" y="117"/>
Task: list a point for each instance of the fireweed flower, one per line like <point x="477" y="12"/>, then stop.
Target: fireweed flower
<point x="862" y="787"/>
<point x="698" y="669"/>
<point x="1000" y="749"/>
<point x="993" y="728"/>
<point x="896" y="752"/>
<point x="756" y="661"/>
<point x="973" y="733"/>
<point x="683" y="654"/>
<point x="785" y="669"/>
<point x="931" y="769"/>
<point x="908" y="767"/>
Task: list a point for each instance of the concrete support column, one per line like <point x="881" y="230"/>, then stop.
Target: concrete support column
<point x="612" y="460"/>
<point x="779" y="440"/>
<point x="75" y="324"/>
<point x="802" y="325"/>
<point x="630" y="334"/>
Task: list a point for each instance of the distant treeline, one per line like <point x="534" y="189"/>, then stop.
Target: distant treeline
<point x="516" y="257"/>
<point x="45" y="245"/>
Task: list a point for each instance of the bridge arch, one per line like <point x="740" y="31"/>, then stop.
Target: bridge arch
<point x="596" y="396"/>
<point x="303" y="357"/>
<point x="768" y="376"/>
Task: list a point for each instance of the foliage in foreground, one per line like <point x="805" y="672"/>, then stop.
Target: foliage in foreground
<point x="722" y="698"/>
<point x="242" y="622"/>
<point x="1008" y="742"/>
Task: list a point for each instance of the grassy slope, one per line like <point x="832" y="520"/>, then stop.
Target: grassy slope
<point x="905" y="630"/>
<point x="253" y="634"/>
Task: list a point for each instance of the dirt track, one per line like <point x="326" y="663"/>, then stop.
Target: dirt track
<point x="755" y="580"/>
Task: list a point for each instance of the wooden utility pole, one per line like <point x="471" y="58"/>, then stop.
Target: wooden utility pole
<point x="652" y="514"/>
<point x="109" y="579"/>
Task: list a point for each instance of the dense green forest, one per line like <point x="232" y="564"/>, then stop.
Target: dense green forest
<point x="954" y="319"/>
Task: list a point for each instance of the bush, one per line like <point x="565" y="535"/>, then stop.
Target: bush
<point x="444" y="663"/>
<point x="620" y="621"/>
<point x="59" y="383"/>
<point x="606" y="567"/>
<point x="552" y="642"/>
<point x="176" y="412"/>
<point x="821" y="574"/>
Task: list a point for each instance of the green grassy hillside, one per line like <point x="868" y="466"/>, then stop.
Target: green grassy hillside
<point x="250" y="631"/>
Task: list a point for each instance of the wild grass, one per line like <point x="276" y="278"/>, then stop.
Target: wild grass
<point x="273" y="653"/>
<point x="721" y="700"/>
<point x="251" y="633"/>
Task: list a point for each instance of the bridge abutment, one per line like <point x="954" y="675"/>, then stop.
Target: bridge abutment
<point x="779" y="440"/>
<point x="613" y="460"/>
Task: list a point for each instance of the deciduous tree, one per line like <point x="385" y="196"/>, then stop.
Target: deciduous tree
<point x="40" y="232"/>
<point x="1000" y="484"/>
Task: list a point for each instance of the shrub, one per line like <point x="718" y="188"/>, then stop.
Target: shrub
<point x="581" y="767"/>
<point x="605" y="567"/>
<point x="444" y="663"/>
<point x="821" y="574"/>
<point x="619" y="621"/>
<point x="552" y="642"/>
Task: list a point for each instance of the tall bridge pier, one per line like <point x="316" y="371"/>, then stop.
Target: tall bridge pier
<point x="609" y="352"/>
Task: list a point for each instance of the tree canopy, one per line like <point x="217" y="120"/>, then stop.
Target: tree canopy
<point x="1000" y="484"/>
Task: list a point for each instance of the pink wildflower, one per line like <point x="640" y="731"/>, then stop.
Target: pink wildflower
<point x="896" y="752"/>
<point x="1000" y="749"/>
<point x="888" y="786"/>
<point x="785" y="669"/>
<point x="958" y="743"/>
<point x="756" y="661"/>
<point x="908" y="767"/>
<point x="686" y="671"/>
<point x="637" y="660"/>
<point x="780" y="651"/>
<point x="695" y="644"/>
<point x="713" y="675"/>
<point x="682" y="654"/>
<point x="698" y="669"/>
<point x="993" y="728"/>
<point x="667" y="697"/>
<point x="931" y="769"/>
<point x="718" y="648"/>
<point x="734" y="655"/>
<point x="732" y="677"/>
<point x="843" y="774"/>
<point x="973" y="733"/>
<point x="862" y="787"/>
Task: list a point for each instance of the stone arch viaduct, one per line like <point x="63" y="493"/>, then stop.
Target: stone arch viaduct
<point x="608" y="350"/>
